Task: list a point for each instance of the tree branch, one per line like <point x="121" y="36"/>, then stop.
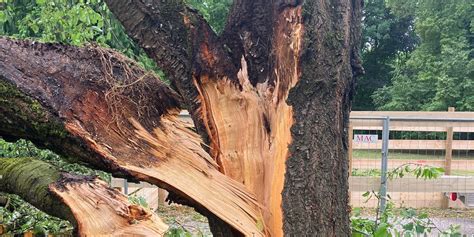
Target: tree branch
<point x="98" y="107"/>
<point x="87" y="202"/>
<point x="182" y="44"/>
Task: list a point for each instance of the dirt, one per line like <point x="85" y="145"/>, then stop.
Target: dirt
<point x="442" y="218"/>
<point x="182" y="217"/>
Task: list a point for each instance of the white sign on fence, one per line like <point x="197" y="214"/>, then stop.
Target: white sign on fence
<point x="365" y="138"/>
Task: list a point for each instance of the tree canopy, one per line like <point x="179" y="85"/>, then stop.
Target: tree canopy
<point x="386" y="37"/>
<point x="439" y="73"/>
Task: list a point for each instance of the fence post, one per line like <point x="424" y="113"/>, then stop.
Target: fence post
<point x="125" y="186"/>
<point x="449" y="147"/>
<point x="162" y="194"/>
<point x="383" y="176"/>
<point x="448" y="156"/>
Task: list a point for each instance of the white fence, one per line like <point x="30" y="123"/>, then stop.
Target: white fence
<point x="450" y="145"/>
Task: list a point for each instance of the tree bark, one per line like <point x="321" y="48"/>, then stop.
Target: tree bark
<point x="270" y="96"/>
<point x="315" y="196"/>
<point x="94" y="105"/>
<point x="87" y="202"/>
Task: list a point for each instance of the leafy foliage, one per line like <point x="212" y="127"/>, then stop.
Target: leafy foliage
<point x="418" y="170"/>
<point x="18" y="217"/>
<point x="214" y="11"/>
<point x="23" y="148"/>
<point x="439" y="72"/>
<point x="386" y="37"/>
<point x="179" y="232"/>
<point x="411" y="169"/>
<point x="408" y="222"/>
<point x="74" y="22"/>
<point x="138" y="200"/>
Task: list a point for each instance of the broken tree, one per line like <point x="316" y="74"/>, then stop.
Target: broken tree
<point x="82" y="200"/>
<point x="96" y="106"/>
<point x="270" y="97"/>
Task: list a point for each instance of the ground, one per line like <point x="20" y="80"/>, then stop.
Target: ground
<point x="183" y="217"/>
<point x="186" y="218"/>
<point x="442" y="218"/>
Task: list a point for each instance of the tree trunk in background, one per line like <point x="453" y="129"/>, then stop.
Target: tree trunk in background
<point x="270" y="96"/>
<point x="88" y="203"/>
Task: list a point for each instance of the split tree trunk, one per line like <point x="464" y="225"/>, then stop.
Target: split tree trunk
<point x="95" y="106"/>
<point x="88" y="203"/>
<point x="270" y="96"/>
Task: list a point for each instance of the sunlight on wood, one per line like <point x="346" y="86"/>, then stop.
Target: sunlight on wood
<point x="102" y="211"/>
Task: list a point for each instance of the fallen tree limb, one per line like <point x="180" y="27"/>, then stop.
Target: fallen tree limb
<point x="87" y="202"/>
<point x="94" y="105"/>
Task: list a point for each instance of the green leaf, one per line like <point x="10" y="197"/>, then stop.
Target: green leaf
<point x="423" y="216"/>
<point x="408" y="226"/>
<point x="3" y="17"/>
<point x="382" y="231"/>
<point x="420" y="229"/>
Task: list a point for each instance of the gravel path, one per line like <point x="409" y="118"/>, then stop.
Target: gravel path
<point x="467" y="225"/>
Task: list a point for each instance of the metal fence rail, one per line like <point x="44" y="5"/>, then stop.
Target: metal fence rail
<point x="381" y="141"/>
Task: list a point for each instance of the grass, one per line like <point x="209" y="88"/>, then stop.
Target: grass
<point x="412" y="155"/>
<point x="432" y="212"/>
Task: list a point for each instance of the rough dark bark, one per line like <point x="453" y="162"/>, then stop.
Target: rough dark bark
<point x="306" y="47"/>
<point x="82" y="200"/>
<point x="270" y="96"/>
<point x="315" y="198"/>
<point x="288" y="67"/>
<point x="98" y="107"/>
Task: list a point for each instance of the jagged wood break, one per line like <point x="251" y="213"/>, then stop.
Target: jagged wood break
<point x="96" y="106"/>
<point x="87" y="202"/>
<point x="271" y="96"/>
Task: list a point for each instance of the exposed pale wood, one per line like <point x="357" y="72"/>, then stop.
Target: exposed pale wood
<point x="417" y="145"/>
<point x="92" y="207"/>
<point x="142" y="140"/>
<point x="222" y="196"/>
<point x="411" y="184"/>
<point x="249" y="127"/>
<point x="101" y="211"/>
